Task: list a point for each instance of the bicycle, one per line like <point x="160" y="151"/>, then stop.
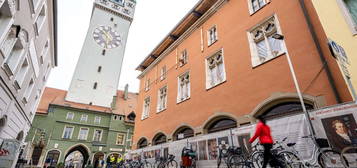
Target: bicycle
<point x="240" y="159"/>
<point x="224" y="153"/>
<point x="168" y="162"/>
<point x="348" y="160"/>
<point x="322" y="155"/>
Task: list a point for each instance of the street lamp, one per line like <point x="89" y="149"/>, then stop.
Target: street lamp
<point x="281" y="37"/>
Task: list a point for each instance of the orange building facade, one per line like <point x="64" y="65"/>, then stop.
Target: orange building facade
<point x="221" y="66"/>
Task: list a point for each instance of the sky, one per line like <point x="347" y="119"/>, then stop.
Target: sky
<point x="153" y="20"/>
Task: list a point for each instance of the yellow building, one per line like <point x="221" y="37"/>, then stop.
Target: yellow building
<point x="339" y="19"/>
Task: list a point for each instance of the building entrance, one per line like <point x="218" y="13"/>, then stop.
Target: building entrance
<point x="77" y="157"/>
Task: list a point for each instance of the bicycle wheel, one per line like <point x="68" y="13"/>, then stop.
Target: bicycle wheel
<point x="172" y="164"/>
<point x="161" y="165"/>
<point x="257" y="159"/>
<point x="349" y="155"/>
<point x="235" y="161"/>
<point x="330" y="158"/>
<point x="147" y="165"/>
<point x="289" y="159"/>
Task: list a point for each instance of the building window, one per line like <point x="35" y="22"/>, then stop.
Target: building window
<point x="349" y="10"/>
<point x="40" y="20"/>
<point x="83" y="133"/>
<point x="212" y="35"/>
<point x="255" y="5"/>
<point x="146" y="108"/>
<point x="120" y="139"/>
<point x="97" y="137"/>
<point x="68" y="131"/>
<point x="183" y="87"/>
<point x="84" y="118"/>
<point x="161" y="104"/>
<point x="147" y="85"/>
<point x="97" y="119"/>
<point x="70" y="116"/>
<point x="215" y="72"/>
<point x="20" y="76"/>
<point x="95" y="85"/>
<point x="99" y="69"/>
<point x="263" y="46"/>
<point x="352" y="8"/>
<point x="183" y="58"/>
<point x="28" y="91"/>
<point x="163" y="73"/>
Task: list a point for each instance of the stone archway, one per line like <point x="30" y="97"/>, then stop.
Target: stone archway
<point x="159" y="138"/>
<point x="219" y="123"/>
<point x="82" y="150"/>
<point x="142" y="143"/>
<point x="183" y="132"/>
<point x="53" y="157"/>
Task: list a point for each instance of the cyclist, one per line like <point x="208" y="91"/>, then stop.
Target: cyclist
<point x="263" y="132"/>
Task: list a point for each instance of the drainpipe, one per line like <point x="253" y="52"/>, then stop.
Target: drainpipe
<point x="318" y="46"/>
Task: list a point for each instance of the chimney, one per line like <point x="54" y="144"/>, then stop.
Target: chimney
<point x="126" y="90"/>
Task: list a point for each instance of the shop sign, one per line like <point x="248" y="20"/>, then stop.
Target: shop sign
<point x="340" y="54"/>
<point x="8" y="152"/>
<point x="116" y="149"/>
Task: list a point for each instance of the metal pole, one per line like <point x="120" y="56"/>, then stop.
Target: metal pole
<point x="307" y="116"/>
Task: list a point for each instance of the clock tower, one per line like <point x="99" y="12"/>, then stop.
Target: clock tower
<point x="96" y="77"/>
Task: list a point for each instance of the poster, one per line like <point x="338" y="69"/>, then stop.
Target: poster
<point x="243" y="142"/>
<point x="202" y="152"/>
<point x="9" y="149"/>
<point x="212" y="149"/>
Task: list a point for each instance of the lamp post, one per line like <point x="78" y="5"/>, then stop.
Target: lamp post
<point x="297" y="87"/>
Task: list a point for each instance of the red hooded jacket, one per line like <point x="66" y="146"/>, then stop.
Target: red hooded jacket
<point x="263" y="132"/>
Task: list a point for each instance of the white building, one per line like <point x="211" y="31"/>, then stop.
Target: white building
<point x="27" y="55"/>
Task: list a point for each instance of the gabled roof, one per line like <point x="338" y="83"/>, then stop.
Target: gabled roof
<point x="191" y="17"/>
<point x="57" y="97"/>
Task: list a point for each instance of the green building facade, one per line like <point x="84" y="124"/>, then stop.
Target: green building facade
<point x="60" y="128"/>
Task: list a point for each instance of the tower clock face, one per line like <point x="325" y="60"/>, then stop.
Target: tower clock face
<point x="107" y="37"/>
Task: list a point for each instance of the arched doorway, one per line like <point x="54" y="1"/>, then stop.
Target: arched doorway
<point x="98" y="160"/>
<point x="159" y="139"/>
<point x="284" y="109"/>
<point x="77" y="156"/>
<point x="52" y="158"/>
<point x="143" y="142"/>
<point x="219" y="124"/>
<point x="183" y="133"/>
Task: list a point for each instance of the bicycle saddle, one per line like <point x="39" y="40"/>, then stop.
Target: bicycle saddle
<point x="291" y="144"/>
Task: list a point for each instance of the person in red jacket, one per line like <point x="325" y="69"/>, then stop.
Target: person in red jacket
<point x="263" y="132"/>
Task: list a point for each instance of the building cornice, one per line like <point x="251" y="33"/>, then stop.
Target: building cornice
<point x="187" y="33"/>
<point x="113" y="12"/>
<point x="82" y="124"/>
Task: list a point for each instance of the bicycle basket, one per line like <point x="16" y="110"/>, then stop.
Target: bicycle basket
<point x="322" y="143"/>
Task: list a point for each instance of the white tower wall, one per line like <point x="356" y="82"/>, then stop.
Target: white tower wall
<point x="86" y="73"/>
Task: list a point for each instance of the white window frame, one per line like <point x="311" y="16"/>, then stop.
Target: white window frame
<point x="116" y="139"/>
<point x="250" y="6"/>
<point x="253" y="45"/>
<point x="163" y="72"/>
<point x="21" y="74"/>
<point x="84" y="118"/>
<point x="183" y="58"/>
<point x="64" y="130"/>
<point x="211" y="40"/>
<point x="347" y="15"/>
<point x="180" y="96"/>
<point x="86" y="135"/>
<point x="28" y="91"/>
<point x="162" y="103"/>
<point x="39" y="24"/>
<point x="67" y="116"/>
<point x="146" y="109"/>
<point x="97" y="119"/>
<point x="209" y="82"/>
<point x="147" y="84"/>
<point x="101" y="135"/>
